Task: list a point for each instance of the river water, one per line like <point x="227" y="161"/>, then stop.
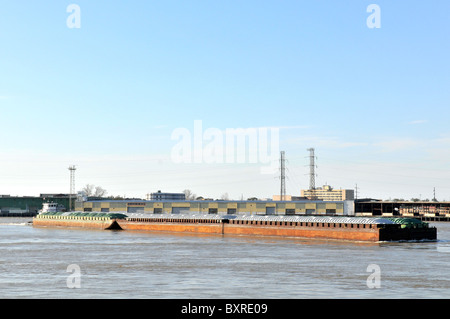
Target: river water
<point x="77" y="263"/>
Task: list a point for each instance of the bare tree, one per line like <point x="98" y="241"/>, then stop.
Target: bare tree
<point x="92" y="190"/>
<point x="189" y="194"/>
<point x="100" y="192"/>
<point x="88" y="189"/>
<point x="225" y="196"/>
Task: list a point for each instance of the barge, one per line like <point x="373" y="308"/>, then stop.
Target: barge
<point x="366" y="229"/>
<point x="79" y="220"/>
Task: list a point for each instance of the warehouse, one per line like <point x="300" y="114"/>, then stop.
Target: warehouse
<point x="219" y="207"/>
<point x="29" y="205"/>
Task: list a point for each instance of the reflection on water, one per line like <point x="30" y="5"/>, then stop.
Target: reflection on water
<point x="119" y="264"/>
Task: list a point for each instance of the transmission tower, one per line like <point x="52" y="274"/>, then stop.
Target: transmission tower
<point x="282" y="176"/>
<point x="72" y="185"/>
<point x="312" y="174"/>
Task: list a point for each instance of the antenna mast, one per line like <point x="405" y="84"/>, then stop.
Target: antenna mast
<point x="72" y="185"/>
<point x="282" y="177"/>
<point x="312" y="174"/>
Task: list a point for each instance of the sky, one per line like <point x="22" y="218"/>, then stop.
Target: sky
<point x="118" y="89"/>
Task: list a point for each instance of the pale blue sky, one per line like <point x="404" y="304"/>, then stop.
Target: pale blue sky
<point x="106" y="97"/>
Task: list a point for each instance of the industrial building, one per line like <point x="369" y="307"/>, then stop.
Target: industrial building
<point x="287" y="197"/>
<point x="424" y="210"/>
<point x="167" y="196"/>
<point x="219" y="207"/>
<point x="29" y="205"/>
<point x="327" y="193"/>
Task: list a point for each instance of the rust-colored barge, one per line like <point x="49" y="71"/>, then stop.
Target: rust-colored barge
<point x="78" y="220"/>
<point x="324" y="227"/>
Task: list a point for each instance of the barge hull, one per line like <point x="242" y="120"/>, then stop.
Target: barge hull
<point x="408" y="234"/>
<point x="338" y="229"/>
<point x="76" y="223"/>
<point x="368" y="234"/>
<point x="172" y="227"/>
<point x="371" y="235"/>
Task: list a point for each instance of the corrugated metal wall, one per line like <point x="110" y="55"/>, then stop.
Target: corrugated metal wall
<point x="221" y="207"/>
